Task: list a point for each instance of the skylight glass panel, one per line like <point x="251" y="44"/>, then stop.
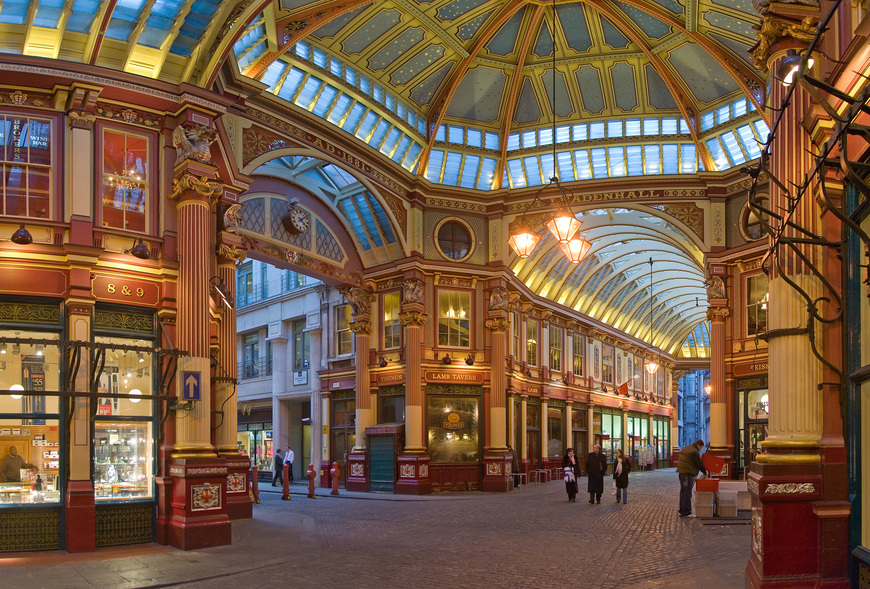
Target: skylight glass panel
<point x="433" y="169"/>
<point x="669" y="125"/>
<point x="339" y="177"/>
<point x="707" y="120"/>
<point x="390" y="142"/>
<point x="341" y="105"/>
<point x="652" y="163"/>
<point x="391" y="102"/>
<point x="452" y="168"/>
<point x="617" y="161"/>
<point x="309" y="91"/>
<point x="632" y="128"/>
<point x="634" y="157"/>
<point x="513" y="141"/>
<point x="614" y="128"/>
<point x="651" y="126"/>
<point x="533" y="171"/>
<point x="688" y="159"/>
<point x="515" y="173"/>
<point x="324" y="101"/>
<point x="563" y="134"/>
<point x="733" y="148"/>
<point x="762" y="130"/>
<point x="487" y="173"/>
<point x="475" y="137"/>
<point x="738" y="107"/>
<point x="749" y="106"/>
<point x="335" y="68"/>
<point x="530" y="139"/>
<point x="365" y="84"/>
<point x="367" y="125"/>
<point x="319" y="57"/>
<point x="353" y="119"/>
<point x="579" y="132"/>
<point x="456" y="134"/>
<point x="365" y="211"/>
<point x="402" y="110"/>
<point x="303" y="49"/>
<point x="379" y="133"/>
<point x="720" y="160"/>
<point x="410" y="160"/>
<point x="599" y="162"/>
<point x="469" y="171"/>
<point x="747" y="139"/>
<point x="547" y="170"/>
<point x="291" y="84"/>
<point x="353" y="218"/>
<point x="723" y="114"/>
<point x="381" y="216"/>
<point x="545" y="137"/>
<point x="491" y="140"/>
<point x="566" y="167"/>
<point x="274" y="72"/>
<point x="670" y="159"/>
<point x="378" y="93"/>
<point x="351" y="76"/>
<point x="441" y="133"/>
<point x="596" y="130"/>
<point x="581" y="162"/>
<point x="684" y="127"/>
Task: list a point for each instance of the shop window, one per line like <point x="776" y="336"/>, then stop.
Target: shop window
<point x="555" y="445"/>
<point x="26" y="159"/>
<point x="343" y="334"/>
<point x="555" y="349"/>
<point x="301" y="345"/>
<point x="454" y="240"/>
<point x="532" y="342"/>
<point x="756" y="305"/>
<point x="392" y="326"/>
<point x="578" y="344"/>
<point x="607" y="364"/>
<point x="611" y="435"/>
<point x="126" y="177"/>
<point x="453" y="428"/>
<point x="454" y="318"/>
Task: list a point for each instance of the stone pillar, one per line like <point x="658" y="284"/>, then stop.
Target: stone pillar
<point x="719" y="446"/>
<point x="314" y="366"/>
<point x="524" y="416"/>
<point x="497" y="458"/>
<point x="675" y="421"/>
<point x="569" y="431"/>
<point x="799" y="484"/>
<point x="414" y="460"/>
<point x="199" y="502"/>
<point x="325" y="443"/>
<point x="239" y="505"/>
<point x="590" y="427"/>
<point x="545" y="439"/>
<point x="361" y="326"/>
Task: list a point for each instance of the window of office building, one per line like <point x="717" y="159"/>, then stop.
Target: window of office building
<point x="301" y="349"/>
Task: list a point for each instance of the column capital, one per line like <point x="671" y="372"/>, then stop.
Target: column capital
<point x="718" y="313"/>
<point x="412" y="318"/>
<point x="497" y="324"/>
<point x="188" y="184"/>
<point x="233" y="253"/>
<point x="776" y="28"/>
<point x="361" y="327"/>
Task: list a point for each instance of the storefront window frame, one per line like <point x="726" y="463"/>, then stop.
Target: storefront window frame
<point x="149" y="194"/>
<point x="53" y="168"/>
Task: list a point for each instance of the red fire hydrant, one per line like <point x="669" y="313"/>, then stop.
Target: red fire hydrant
<point x="286" y="479"/>
<point x="334" y="472"/>
<point x="310" y="475"/>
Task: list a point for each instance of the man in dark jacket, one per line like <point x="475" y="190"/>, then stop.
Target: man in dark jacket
<point x="596" y="468"/>
<point x="278" y="467"/>
<point x="688" y="466"/>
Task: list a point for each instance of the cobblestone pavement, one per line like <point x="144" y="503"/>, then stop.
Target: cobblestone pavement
<point x="527" y="538"/>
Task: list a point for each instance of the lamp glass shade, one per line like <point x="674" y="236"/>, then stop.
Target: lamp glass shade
<point x="134" y="395"/>
<point x="575" y="250"/>
<point x="652" y="367"/>
<point x="523" y="241"/>
<point x="16" y="387"/>
<point x="563" y="226"/>
<point x="22" y="236"/>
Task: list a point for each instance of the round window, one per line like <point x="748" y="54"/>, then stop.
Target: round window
<point x="454" y="240"/>
<point x="750" y="225"/>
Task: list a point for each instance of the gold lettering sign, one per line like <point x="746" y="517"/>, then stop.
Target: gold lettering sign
<point x="392" y="377"/>
<point x="464" y="377"/>
<point x="127" y="291"/>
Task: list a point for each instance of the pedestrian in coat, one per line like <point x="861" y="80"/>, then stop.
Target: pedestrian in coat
<point x="621" y="468"/>
<point x="688" y="467"/>
<point x="278" y="467"/>
<point x="571" y="467"/>
<point x="596" y="468"/>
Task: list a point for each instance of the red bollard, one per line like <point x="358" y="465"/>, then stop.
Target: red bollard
<point x="255" y="486"/>
<point x="334" y="473"/>
<point x="286" y="494"/>
<point x="310" y="475"/>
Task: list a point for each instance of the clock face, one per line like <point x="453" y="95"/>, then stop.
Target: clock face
<point x="296" y="221"/>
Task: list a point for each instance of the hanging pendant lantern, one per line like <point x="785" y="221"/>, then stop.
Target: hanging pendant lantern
<point x="575" y="250"/>
<point x="523" y="240"/>
<point x="564" y="225"/>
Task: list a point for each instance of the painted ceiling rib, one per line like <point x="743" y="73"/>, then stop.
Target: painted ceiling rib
<point x="220" y="49"/>
<point x="200" y="55"/>
<point x="433" y="27"/>
<point x="97" y="33"/>
<point x="172" y="34"/>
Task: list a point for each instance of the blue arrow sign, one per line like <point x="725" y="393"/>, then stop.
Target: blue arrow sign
<point x="190" y="385"/>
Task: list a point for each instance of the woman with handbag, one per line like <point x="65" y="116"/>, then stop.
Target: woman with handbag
<point x="571" y="467"/>
<point x="621" y="468"/>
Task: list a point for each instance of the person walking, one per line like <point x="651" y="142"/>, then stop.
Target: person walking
<point x="596" y="468"/>
<point x="515" y="465"/>
<point x="288" y="460"/>
<point x="571" y="467"/>
<point x="688" y="466"/>
<point x="621" y="468"/>
<point x="278" y="467"/>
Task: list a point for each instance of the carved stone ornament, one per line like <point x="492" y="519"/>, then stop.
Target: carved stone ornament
<point x="499" y="299"/>
<point x="789" y="488"/>
<point x="774" y="28"/>
<point x="232" y="252"/>
<point x="413" y="291"/>
<point x="193" y="143"/>
<point x="361" y="327"/>
<point x="200" y="185"/>
<point x="360" y="300"/>
<point x="18" y="97"/>
<point x="233" y="218"/>
<point x="497" y="324"/>
<point x="81" y="120"/>
<point x="715" y="287"/>
<point x="762" y="7"/>
<point x="412" y="318"/>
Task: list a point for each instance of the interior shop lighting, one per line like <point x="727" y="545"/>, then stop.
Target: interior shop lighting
<point x="3" y="348"/>
<point x="40" y="350"/>
<point x="16" y="387"/>
<point x="141" y="357"/>
<point x="134" y="395"/>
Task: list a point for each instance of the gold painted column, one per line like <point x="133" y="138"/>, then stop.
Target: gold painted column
<point x="414" y="460"/>
<point x="717" y="314"/>
<point x="497" y="460"/>
<point x="361" y="306"/>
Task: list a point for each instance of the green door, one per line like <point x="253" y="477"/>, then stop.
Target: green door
<point x="382" y="464"/>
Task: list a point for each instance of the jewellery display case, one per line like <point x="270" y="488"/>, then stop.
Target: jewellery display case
<point x="122" y="460"/>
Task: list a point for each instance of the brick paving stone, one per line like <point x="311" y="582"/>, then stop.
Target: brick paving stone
<point x="532" y="538"/>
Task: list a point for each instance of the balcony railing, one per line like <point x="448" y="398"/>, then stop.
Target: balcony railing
<point x="257" y="369"/>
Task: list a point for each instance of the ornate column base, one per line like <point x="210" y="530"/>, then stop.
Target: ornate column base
<point x="325" y="481"/>
<point x="497" y="472"/>
<point x="199" y="503"/>
<point x="81" y="517"/>
<point x="239" y="505"/>
<point x="164" y="509"/>
<point x="356" y="477"/>
<point x="413" y="474"/>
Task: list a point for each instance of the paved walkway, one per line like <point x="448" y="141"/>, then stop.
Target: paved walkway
<point x="527" y="538"/>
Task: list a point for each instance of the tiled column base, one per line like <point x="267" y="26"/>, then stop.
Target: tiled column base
<point x="239" y="505"/>
<point x="497" y="472"/>
<point x="199" y="503"/>
<point x="356" y="478"/>
<point x="413" y="474"/>
<point x="80" y="517"/>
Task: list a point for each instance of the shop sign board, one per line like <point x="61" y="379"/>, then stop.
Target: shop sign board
<point x="458" y="377"/>
<point x="132" y="292"/>
<point x="190" y="385"/>
<point x="300" y="377"/>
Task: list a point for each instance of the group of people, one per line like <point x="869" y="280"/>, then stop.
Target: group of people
<point x="596" y="470"/>
<point x="280" y="461"/>
<point x="689" y="466"/>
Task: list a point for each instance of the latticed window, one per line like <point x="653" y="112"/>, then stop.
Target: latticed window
<point x="454" y="318"/>
<point x="555" y="349"/>
<point x="125" y="180"/>
<point x="392" y="327"/>
<point x="343" y="334"/>
<point x="25" y="163"/>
